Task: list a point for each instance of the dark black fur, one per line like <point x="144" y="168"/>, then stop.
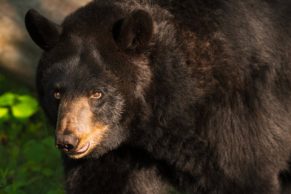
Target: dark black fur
<point x="205" y="87"/>
<point x="124" y="170"/>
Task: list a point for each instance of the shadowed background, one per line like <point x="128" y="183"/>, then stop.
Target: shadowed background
<point x="18" y="55"/>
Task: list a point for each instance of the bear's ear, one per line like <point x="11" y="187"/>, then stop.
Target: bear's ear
<point x="135" y="31"/>
<point x="41" y="30"/>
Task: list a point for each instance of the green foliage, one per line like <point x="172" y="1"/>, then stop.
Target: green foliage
<point x="21" y="106"/>
<point x="29" y="162"/>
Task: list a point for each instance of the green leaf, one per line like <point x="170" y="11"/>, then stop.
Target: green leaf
<point x="49" y="142"/>
<point x="55" y="191"/>
<point x="25" y="107"/>
<point x="3" y="112"/>
<point x="34" y="151"/>
<point x="47" y="172"/>
<point x="13" y="130"/>
<point x="7" y="99"/>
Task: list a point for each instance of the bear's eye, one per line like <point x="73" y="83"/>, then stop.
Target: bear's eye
<point x="96" y="95"/>
<point x="57" y="95"/>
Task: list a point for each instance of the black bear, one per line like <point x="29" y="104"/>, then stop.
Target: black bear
<point x="196" y="93"/>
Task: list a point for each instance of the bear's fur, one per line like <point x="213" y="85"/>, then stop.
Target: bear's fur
<point x="200" y="86"/>
<point x="124" y="170"/>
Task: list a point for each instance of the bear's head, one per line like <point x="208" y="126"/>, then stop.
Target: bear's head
<point x="93" y="75"/>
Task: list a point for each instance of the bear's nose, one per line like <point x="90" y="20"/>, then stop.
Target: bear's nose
<point x="66" y="142"/>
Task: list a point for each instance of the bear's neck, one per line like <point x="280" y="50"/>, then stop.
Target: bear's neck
<point x="181" y="68"/>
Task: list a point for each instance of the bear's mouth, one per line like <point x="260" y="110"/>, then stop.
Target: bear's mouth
<point x="81" y="152"/>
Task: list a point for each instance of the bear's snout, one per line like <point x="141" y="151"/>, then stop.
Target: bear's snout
<point x="66" y="142"/>
<point x="77" y="133"/>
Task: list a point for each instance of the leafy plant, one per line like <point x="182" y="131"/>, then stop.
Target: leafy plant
<point x="29" y="162"/>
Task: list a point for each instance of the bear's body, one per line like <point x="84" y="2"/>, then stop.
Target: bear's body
<point x="124" y="170"/>
<point x="201" y="86"/>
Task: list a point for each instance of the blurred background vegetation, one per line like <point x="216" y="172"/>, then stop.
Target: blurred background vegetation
<point x="29" y="162"/>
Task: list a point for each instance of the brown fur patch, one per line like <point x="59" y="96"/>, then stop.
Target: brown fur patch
<point x="144" y="75"/>
<point x="76" y="117"/>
